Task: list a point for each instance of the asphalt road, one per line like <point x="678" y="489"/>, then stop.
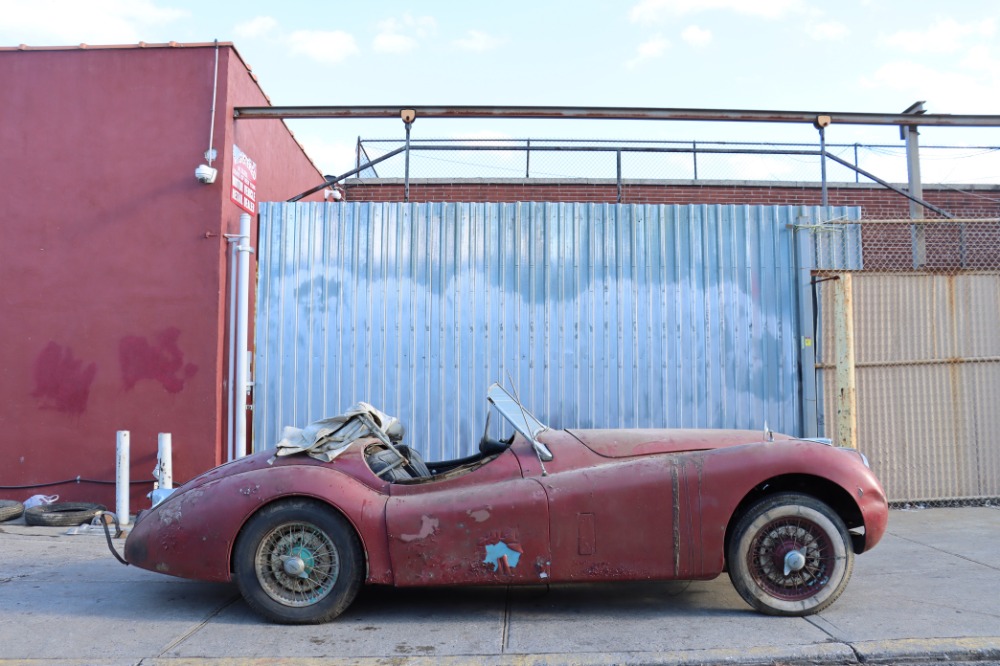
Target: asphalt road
<point x="930" y="592"/>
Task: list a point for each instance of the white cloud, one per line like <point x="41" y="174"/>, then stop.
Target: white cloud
<point x="944" y="36"/>
<point x="324" y="46"/>
<point x="649" y="50"/>
<point x="402" y="35"/>
<point x="979" y="58"/>
<point x="654" y="10"/>
<point x="696" y="36"/>
<point x="947" y="91"/>
<point x="94" y="22"/>
<point x="256" y="27"/>
<point x="827" y="31"/>
<point x="478" y="41"/>
<point x="388" y="42"/>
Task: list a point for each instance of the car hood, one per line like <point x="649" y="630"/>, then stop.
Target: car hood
<point x="637" y="442"/>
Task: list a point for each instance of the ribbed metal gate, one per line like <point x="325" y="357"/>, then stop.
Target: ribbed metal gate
<point x="603" y="315"/>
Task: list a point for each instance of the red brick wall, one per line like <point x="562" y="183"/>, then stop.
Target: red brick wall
<point x="876" y="202"/>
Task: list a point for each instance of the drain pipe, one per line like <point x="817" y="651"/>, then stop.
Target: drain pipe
<point x="230" y="449"/>
<point x="122" y="477"/>
<point x="242" y="328"/>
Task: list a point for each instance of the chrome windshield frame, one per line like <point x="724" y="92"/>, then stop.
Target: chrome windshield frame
<point x="520" y="418"/>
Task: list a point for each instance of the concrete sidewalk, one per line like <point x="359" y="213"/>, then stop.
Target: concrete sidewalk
<point x="929" y="591"/>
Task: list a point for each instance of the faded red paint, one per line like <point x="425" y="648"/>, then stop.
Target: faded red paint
<point x="115" y="253"/>
<point x="161" y="361"/>
<point x="62" y="381"/>
<point x="584" y="517"/>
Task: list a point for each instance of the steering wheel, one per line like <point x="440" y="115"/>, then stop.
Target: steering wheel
<point x="489" y="446"/>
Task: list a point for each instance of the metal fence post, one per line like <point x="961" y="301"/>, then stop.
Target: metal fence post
<point x="618" y="155"/>
<point x="846" y="393"/>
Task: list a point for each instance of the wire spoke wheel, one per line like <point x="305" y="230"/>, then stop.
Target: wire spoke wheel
<point x="798" y="540"/>
<point x="790" y="554"/>
<point x="297" y="564"/>
<point x="298" y="561"/>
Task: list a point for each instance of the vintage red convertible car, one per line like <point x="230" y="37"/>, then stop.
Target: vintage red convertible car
<point x="300" y="535"/>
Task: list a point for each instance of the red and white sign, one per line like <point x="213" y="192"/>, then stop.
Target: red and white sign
<point x="244" y="192"/>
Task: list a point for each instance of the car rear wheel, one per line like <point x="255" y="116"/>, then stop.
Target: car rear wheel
<point x="790" y="554"/>
<point x="298" y="562"/>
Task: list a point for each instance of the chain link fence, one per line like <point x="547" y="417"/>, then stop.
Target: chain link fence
<point x="671" y="160"/>
<point x="908" y="353"/>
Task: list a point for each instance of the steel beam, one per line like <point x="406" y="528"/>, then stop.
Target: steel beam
<point x="617" y="113"/>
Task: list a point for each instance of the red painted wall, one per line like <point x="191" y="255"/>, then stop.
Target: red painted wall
<point x="876" y="202"/>
<point x="114" y="264"/>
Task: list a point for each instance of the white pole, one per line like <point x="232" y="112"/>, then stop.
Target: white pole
<point x="242" y="327"/>
<point x="230" y="450"/>
<point x="122" y="478"/>
<point x="165" y="462"/>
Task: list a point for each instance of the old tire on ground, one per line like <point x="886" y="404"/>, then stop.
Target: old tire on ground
<point x="62" y="514"/>
<point x="790" y="554"/>
<point x="298" y="562"/>
<point x="10" y="509"/>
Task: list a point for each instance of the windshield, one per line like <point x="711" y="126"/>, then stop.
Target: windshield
<point x="519" y="417"/>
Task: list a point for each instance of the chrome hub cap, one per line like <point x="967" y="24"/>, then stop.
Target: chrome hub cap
<point x="795" y="560"/>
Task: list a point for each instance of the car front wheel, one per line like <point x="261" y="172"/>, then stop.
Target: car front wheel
<point x="298" y="562"/>
<point x="790" y="554"/>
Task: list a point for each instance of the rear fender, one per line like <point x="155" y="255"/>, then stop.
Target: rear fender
<point x="192" y="533"/>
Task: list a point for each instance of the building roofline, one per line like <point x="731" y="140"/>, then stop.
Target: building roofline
<point x="101" y="47"/>
<point x="140" y="46"/>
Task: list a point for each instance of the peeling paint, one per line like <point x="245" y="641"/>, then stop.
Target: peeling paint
<point x="170" y="513"/>
<point x="479" y="515"/>
<point x="249" y="490"/>
<point x="428" y="527"/>
<point x="502" y="557"/>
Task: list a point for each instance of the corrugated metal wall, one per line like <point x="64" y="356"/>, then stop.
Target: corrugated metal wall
<point x="927" y="352"/>
<point x="603" y="315"/>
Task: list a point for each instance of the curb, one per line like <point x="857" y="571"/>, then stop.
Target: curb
<point x="923" y="649"/>
<point x="865" y="652"/>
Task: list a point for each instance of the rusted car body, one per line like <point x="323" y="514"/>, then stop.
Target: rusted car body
<point x="300" y="535"/>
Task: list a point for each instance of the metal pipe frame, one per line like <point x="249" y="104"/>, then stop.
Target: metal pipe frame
<point x="618" y="113"/>
<point x="630" y="149"/>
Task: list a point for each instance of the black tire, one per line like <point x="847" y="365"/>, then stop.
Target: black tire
<point x="10" y="509"/>
<point x="62" y="514"/>
<point x="790" y="554"/>
<point x="314" y="539"/>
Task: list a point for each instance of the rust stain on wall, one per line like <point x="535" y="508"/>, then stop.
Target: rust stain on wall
<point x="62" y="382"/>
<point x="160" y="360"/>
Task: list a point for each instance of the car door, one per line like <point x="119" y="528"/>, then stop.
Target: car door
<point x="488" y="526"/>
<point x="610" y="519"/>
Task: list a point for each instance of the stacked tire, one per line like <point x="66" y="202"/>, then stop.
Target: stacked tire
<point x="10" y="509"/>
<point x="62" y="514"/>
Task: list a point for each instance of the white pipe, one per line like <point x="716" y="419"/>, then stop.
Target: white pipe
<point x="215" y="92"/>
<point x="233" y="242"/>
<point x="165" y="459"/>
<point x="242" y="328"/>
<point x="122" y="478"/>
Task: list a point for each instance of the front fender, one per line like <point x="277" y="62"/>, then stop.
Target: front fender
<point x="724" y="478"/>
<point x="191" y="534"/>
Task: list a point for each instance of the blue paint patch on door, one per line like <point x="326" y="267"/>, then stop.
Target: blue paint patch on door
<point x="495" y="552"/>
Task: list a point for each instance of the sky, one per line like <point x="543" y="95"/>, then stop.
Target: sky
<point x="851" y="55"/>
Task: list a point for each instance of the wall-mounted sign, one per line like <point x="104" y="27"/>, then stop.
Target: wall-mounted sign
<point x="244" y="191"/>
